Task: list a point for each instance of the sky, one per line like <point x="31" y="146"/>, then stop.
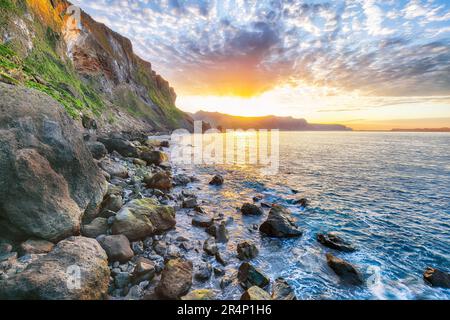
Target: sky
<point x="369" y="64"/>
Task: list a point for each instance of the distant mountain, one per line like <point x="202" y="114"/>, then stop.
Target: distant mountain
<point x="423" y="130"/>
<point x="225" y="121"/>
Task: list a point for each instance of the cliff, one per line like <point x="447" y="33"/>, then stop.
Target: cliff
<point x="90" y="69"/>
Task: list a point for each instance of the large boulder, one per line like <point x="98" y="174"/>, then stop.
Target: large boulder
<point x="176" y="279"/>
<point x="34" y="246"/>
<point x="97" y="149"/>
<point x="249" y="276"/>
<point x="48" y="178"/>
<point x="142" y="218"/>
<point x="116" y="142"/>
<point x="345" y="270"/>
<point x="280" y="224"/>
<point x="255" y="293"/>
<point x="96" y="228"/>
<point x="334" y="241"/>
<point x="437" y="278"/>
<point x="114" y="169"/>
<point x="249" y="209"/>
<point x="154" y="157"/>
<point x="247" y="250"/>
<point x="160" y="181"/>
<point x="117" y="247"/>
<point x="76" y="269"/>
<point x="281" y="290"/>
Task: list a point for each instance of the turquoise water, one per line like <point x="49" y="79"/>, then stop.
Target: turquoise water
<point x="388" y="193"/>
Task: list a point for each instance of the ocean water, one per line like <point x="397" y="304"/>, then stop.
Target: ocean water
<point x="388" y="193"/>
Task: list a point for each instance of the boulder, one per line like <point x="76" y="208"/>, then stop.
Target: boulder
<point x="114" y="169"/>
<point x="334" y="241"/>
<point x="117" y="247"/>
<point x="112" y="203"/>
<point x="280" y="224"/>
<point x="154" y="157"/>
<point x="181" y="180"/>
<point x="281" y="290"/>
<point x="117" y="143"/>
<point x="160" y="181"/>
<point x="219" y="231"/>
<point x="200" y="295"/>
<point x="210" y="246"/>
<point x="142" y="218"/>
<point x="250" y="209"/>
<point x="97" y="149"/>
<point x="96" y="228"/>
<point x="48" y="178"/>
<point x="217" y="180"/>
<point x="35" y="247"/>
<point x="202" y="221"/>
<point x="250" y="276"/>
<point x="346" y="271"/>
<point x="176" y="279"/>
<point x="255" y="293"/>
<point x="437" y="278"/>
<point x="190" y="203"/>
<point x="144" y="271"/>
<point x="303" y="202"/>
<point x="247" y="250"/>
<point x="203" y="271"/>
<point x="76" y="269"/>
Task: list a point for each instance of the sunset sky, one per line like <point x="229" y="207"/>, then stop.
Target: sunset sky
<point x="369" y="64"/>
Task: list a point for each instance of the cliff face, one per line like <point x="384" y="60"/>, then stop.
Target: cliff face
<point x="90" y="69"/>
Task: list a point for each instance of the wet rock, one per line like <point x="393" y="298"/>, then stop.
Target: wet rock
<point x="119" y="144"/>
<point x="249" y="209"/>
<point x="139" y="162"/>
<point x="437" y="278"/>
<point x="247" y="250"/>
<point x="203" y="272"/>
<point x="250" y="276"/>
<point x="266" y="205"/>
<point x="145" y="270"/>
<point x="35" y="247"/>
<point x="202" y="221"/>
<point x="160" y="181"/>
<point x="334" y="241"/>
<point x="218" y="272"/>
<point x="225" y="282"/>
<point x="154" y="157"/>
<point x="217" y="180"/>
<point x="258" y="198"/>
<point x="281" y="290"/>
<point x="117" y="248"/>
<point x="47" y="278"/>
<point x="280" y="224"/>
<point x="303" y="202"/>
<point x="199" y="295"/>
<point x="221" y="258"/>
<point x="210" y="246"/>
<point x="256" y="294"/>
<point x="220" y="232"/>
<point x="96" y="228"/>
<point x="160" y="248"/>
<point x="346" y="271"/>
<point x="176" y="279"/>
<point x="48" y="178"/>
<point x="122" y="279"/>
<point x="114" y="169"/>
<point x="112" y="203"/>
<point x="142" y="218"/>
<point x="173" y="252"/>
<point x="190" y="203"/>
<point x="181" y="180"/>
<point x="97" y="149"/>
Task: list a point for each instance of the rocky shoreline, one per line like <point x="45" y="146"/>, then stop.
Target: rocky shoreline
<point x="93" y="215"/>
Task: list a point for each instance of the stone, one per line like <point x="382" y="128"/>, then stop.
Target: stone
<point x="96" y="228"/>
<point x="247" y="250"/>
<point x="249" y="276"/>
<point x="176" y="279"/>
<point x="190" y="203"/>
<point x="437" y="278"/>
<point x="210" y="246"/>
<point x="346" y="271"/>
<point x="35" y="247"/>
<point x="48" y="178"/>
<point x="145" y="270"/>
<point x="280" y="224"/>
<point x="217" y="180"/>
<point x="97" y="149"/>
<point x="47" y="278"/>
<point x="181" y="180"/>
<point x="117" y="248"/>
<point x="281" y="290"/>
<point x="138" y="247"/>
<point x="200" y="295"/>
<point x="139" y="162"/>
<point x="255" y="293"/>
<point x="114" y="169"/>
<point x="303" y="202"/>
<point x="117" y="143"/>
<point x="121" y="280"/>
<point x="203" y="272"/>
<point x="249" y="209"/>
<point x="142" y="218"/>
<point x="154" y="157"/>
<point x="112" y="203"/>
<point x="160" y="181"/>
<point x="89" y="123"/>
<point x="334" y="241"/>
<point x="202" y="221"/>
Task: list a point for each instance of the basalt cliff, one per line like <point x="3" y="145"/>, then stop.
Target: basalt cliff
<point x="53" y="47"/>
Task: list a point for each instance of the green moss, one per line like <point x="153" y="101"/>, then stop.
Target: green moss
<point x="6" y="5"/>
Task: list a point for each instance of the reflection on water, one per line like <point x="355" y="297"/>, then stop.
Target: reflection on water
<point x="387" y="192"/>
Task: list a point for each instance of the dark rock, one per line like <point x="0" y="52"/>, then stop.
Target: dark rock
<point x="247" y="250"/>
<point x="114" y="169"/>
<point x="266" y="205"/>
<point x="117" y="248"/>
<point x="181" y="180"/>
<point x="280" y="224"/>
<point x="96" y="228"/>
<point x="303" y="202"/>
<point x="202" y="221"/>
<point x="154" y="157"/>
<point x="117" y="143"/>
<point x="218" y="272"/>
<point x="89" y="123"/>
<point x="249" y="209"/>
<point x="221" y="258"/>
<point x="112" y="203"/>
<point x="176" y="279"/>
<point x="255" y="293"/>
<point x="122" y="279"/>
<point x="47" y="278"/>
<point x="139" y="162"/>
<point x="346" y="271"/>
<point x="97" y="149"/>
<point x="160" y="180"/>
<point x="217" y="180"/>
<point x="145" y="270"/>
<point x="257" y="198"/>
<point x="222" y="235"/>
<point x="35" y="247"/>
<point x="190" y="203"/>
<point x="281" y="290"/>
<point x="250" y="276"/>
<point x="210" y="246"/>
<point x="334" y="241"/>
<point x="48" y="178"/>
<point x="437" y="278"/>
<point x="203" y="272"/>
